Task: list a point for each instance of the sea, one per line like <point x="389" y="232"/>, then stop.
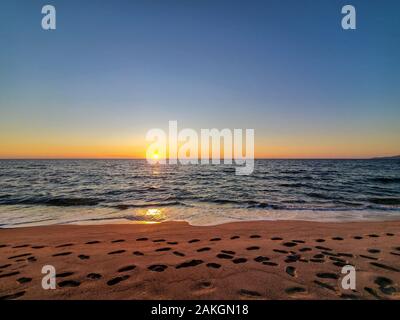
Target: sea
<point x="47" y="192"/>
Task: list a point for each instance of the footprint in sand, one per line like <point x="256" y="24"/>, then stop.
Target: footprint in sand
<point x="324" y="285"/>
<point x="5" y="266"/>
<point x="385" y="267"/>
<point x="13" y="296"/>
<point x="327" y="275"/>
<point x="94" y="276"/>
<point x="345" y="254"/>
<point x="339" y="264"/>
<point x="385" y="285"/>
<point x="298" y="241"/>
<point x="327" y="253"/>
<point x="213" y="265"/>
<point x="163" y="249"/>
<point x="320" y="240"/>
<point x="20" y="256"/>
<point x="83" y="257"/>
<point x="280" y="251"/>
<point x="276" y="238"/>
<point x="62" y="254"/>
<point x="239" y="260"/>
<point x="323" y="248"/>
<point x="24" y="280"/>
<point x="203" y="249"/>
<point x="38" y="247"/>
<point x="292" y="258"/>
<point x="117" y="280"/>
<point x="215" y="239"/>
<point x="235" y="237"/>
<point x="117" y="252"/>
<point x="289" y="244"/>
<point x="127" y="268"/>
<point x="138" y="253"/>
<point x="65" y="245"/>
<point x="193" y="240"/>
<point x="142" y="239"/>
<point x="372" y="292"/>
<point x="159" y="240"/>
<point x="118" y="241"/>
<point x="10" y="274"/>
<point x="295" y="290"/>
<point x="179" y="254"/>
<point x="253" y="248"/>
<point x="69" y="283"/>
<point x="188" y="264"/>
<point x="373" y="236"/>
<point x="373" y="251"/>
<point x="255" y="236"/>
<point x="228" y="252"/>
<point x="249" y="293"/>
<point x="261" y="259"/>
<point x="337" y="238"/>
<point x="368" y="257"/>
<point x="269" y="263"/>
<point x="224" y="256"/>
<point x="92" y="242"/>
<point x="291" y="271"/>
<point x="65" y="274"/>
<point x="204" y="285"/>
<point x="21" y="246"/>
<point x="3" y="246"/>
<point x="390" y="234"/>
<point x="172" y="243"/>
<point x="32" y="259"/>
<point x="157" y="267"/>
<point x="337" y="259"/>
<point x="357" y="237"/>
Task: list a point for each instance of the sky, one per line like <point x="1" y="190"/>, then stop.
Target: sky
<point x="112" y="70"/>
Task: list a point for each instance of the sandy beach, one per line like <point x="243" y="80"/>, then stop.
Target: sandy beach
<point x="245" y="260"/>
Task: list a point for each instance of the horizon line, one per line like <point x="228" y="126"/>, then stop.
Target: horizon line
<point x="256" y="158"/>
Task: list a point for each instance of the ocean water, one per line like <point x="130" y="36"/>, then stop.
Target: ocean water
<point x="44" y="192"/>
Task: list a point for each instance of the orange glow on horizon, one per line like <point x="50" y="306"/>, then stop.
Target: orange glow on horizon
<point x="128" y="148"/>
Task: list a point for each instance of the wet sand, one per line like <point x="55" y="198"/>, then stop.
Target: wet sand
<point x="173" y="260"/>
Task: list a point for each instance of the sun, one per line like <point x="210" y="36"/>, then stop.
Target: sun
<point x="156" y="156"/>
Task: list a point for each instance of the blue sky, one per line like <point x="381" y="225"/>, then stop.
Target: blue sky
<point x="114" y="69"/>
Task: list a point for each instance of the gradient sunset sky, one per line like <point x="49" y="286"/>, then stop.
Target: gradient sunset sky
<point x="115" y="69"/>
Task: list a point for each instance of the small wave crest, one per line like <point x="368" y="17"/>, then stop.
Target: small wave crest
<point x="385" y="201"/>
<point x="55" y="202"/>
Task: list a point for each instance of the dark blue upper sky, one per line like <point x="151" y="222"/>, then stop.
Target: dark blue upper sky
<point x="114" y="69"/>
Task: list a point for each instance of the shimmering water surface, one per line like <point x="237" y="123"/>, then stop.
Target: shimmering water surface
<point x="37" y="192"/>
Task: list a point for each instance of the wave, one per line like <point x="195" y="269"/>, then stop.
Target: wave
<point x="386" y="179"/>
<point x="385" y="201"/>
<point x="294" y="185"/>
<point x="146" y="205"/>
<point x="55" y="202"/>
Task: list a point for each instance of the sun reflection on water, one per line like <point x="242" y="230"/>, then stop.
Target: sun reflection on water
<point x="154" y="215"/>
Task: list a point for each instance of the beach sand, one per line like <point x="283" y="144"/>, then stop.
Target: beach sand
<point x="173" y="260"/>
